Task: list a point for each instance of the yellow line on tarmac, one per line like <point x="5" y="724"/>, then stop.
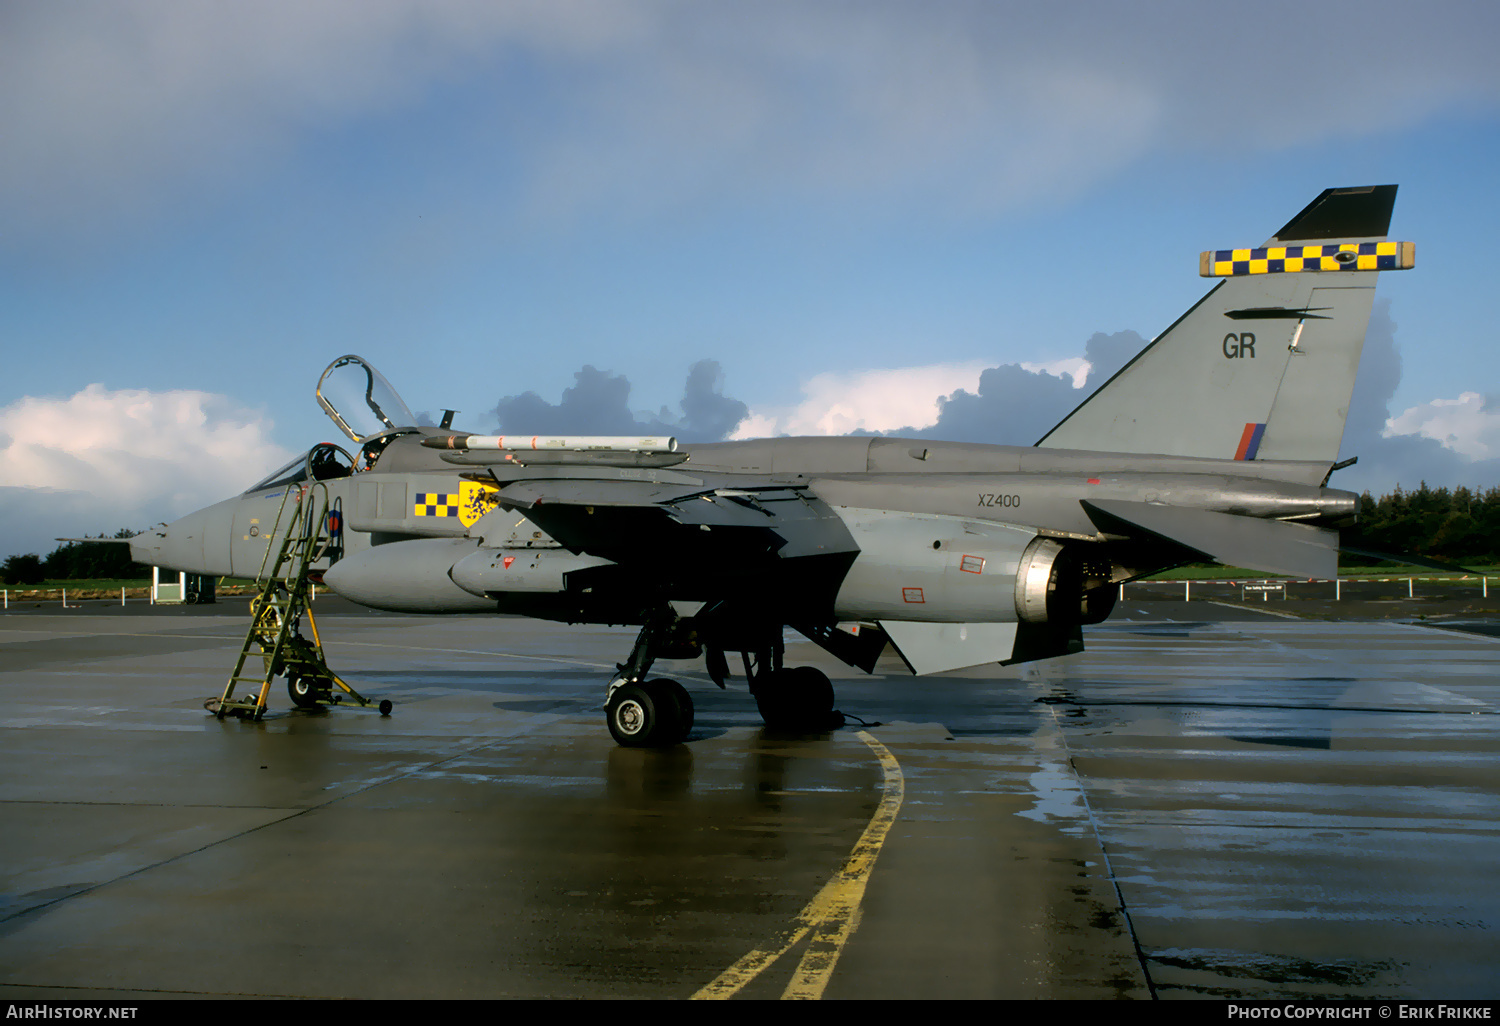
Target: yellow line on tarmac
<point x="833" y="914"/>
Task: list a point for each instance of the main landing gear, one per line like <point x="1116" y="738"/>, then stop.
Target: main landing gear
<point x="658" y="713"/>
<point x="796" y="698"/>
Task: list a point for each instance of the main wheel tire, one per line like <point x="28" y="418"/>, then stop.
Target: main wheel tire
<point x="799" y="698"/>
<point x="813" y="689"/>
<point x="669" y="692"/>
<point x="302" y="690"/>
<point x="774" y="698"/>
<point x="643" y="717"/>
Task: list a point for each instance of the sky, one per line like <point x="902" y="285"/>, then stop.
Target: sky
<point x="723" y="219"/>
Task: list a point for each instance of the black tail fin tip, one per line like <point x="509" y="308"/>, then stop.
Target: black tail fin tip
<point x="1361" y="212"/>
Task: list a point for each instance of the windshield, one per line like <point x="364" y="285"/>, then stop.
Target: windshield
<point x="293" y="472"/>
<point x="360" y="401"/>
<point x="323" y="462"/>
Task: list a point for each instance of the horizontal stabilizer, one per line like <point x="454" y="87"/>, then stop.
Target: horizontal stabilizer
<point x="1272" y="546"/>
<point x="1410" y="559"/>
<point x="936" y="647"/>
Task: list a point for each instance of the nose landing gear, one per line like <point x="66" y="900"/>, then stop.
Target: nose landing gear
<point x="651" y="713"/>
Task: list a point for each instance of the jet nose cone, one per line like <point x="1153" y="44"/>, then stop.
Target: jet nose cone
<point x="175" y="546"/>
<point x="146" y="547"/>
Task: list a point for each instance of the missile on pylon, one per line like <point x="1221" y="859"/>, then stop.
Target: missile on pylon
<point x="568" y="443"/>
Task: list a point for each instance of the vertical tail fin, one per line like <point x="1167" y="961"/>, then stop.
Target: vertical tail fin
<point x="1261" y="367"/>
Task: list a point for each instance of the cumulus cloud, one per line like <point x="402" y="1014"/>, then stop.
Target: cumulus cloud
<point x="1075" y="368"/>
<point x="100" y="460"/>
<point x="964" y="402"/>
<point x="981" y="104"/>
<point x="872" y="400"/>
<point x="1394" y="450"/>
<point x="1467" y="425"/>
<point x="1014" y="405"/>
<point x="598" y="404"/>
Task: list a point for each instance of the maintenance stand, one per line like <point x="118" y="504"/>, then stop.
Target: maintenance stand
<point x="276" y="615"/>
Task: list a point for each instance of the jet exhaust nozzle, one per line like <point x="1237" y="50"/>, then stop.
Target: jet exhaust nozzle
<point x="1058" y="582"/>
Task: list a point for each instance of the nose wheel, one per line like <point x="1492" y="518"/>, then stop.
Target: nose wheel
<point x="304" y="691"/>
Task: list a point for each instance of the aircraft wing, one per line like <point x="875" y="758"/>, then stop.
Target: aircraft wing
<point x="1273" y="546"/>
<point x="690" y="530"/>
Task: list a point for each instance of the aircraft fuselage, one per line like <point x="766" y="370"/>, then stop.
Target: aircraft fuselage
<point x="913" y="529"/>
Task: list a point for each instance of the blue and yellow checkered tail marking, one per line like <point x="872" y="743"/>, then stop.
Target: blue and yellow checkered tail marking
<point x="435" y="504"/>
<point x="1342" y="256"/>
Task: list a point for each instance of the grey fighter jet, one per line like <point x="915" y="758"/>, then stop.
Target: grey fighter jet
<point x="1216" y="442"/>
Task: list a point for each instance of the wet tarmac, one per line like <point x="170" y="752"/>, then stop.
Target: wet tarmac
<point x="1212" y="801"/>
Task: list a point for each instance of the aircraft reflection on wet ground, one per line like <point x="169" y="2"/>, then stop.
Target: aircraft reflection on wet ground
<point x="1278" y="809"/>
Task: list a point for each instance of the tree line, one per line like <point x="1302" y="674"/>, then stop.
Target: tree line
<point x="1460" y="525"/>
<point x="73" y="561"/>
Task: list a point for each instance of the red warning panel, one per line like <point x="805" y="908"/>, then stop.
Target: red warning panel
<point x="972" y="564"/>
<point x="913" y="595"/>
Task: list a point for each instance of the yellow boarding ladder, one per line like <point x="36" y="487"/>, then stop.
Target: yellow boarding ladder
<point x="276" y="613"/>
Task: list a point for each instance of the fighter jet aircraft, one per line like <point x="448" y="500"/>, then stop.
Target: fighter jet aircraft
<point x="1216" y="442"/>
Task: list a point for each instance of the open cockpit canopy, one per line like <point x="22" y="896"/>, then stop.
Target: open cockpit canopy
<point x="360" y="401"/>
